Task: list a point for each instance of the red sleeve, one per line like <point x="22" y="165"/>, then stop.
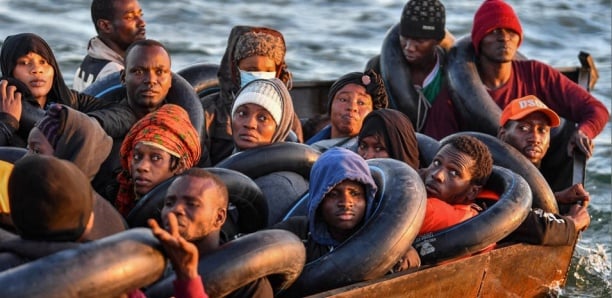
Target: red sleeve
<point x="192" y="288"/>
<point x="440" y="215"/>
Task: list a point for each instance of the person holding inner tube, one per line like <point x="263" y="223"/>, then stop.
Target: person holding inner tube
<point x="31" y="82"/>
<point x="262" y="115"/>
<point x="118" y="24"/>
<point x="496" y="35"/>
<point x="341" y="199"/>
<point x="161" y="145"/>
<point x="252" y="53"/>
<point x="525" y="125"/>
<point x="350" y="99"/>
<point x="195" y="209"/>
<point x="53" y="207"/>
<point x="422" y="29"/>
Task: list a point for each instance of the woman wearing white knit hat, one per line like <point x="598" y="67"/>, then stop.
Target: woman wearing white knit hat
<point x="262" y="114"/>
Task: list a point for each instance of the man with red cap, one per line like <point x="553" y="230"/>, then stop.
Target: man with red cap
<point x="525" y="124"/>
<point x="496" y="36"/>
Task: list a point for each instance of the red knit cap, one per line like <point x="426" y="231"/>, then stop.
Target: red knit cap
<point x="491" y="15"/>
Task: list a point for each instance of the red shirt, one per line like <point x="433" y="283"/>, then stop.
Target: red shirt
<point x="440" y="215"/>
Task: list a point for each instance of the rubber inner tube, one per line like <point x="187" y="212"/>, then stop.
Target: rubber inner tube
<point x="12" y="154"/>
<point x="181" y="93"/>
<point x="278" y="254"/>
<point x="90" y="268"/>
<point x="244" y="195"/>
<point x="488" y="227"/>
<point x="384" y="238"/>
<point x="283" y="156"/>
<point x="506" y="156"/>
<point x="202" y="76"/>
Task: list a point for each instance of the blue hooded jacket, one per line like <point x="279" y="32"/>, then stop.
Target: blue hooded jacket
<point x="334" y="166"/>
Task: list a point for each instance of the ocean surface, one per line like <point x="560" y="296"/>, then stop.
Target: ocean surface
<point x="326" y="39"/>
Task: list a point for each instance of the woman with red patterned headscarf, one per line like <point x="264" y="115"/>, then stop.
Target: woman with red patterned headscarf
<point x="162" y="144"/>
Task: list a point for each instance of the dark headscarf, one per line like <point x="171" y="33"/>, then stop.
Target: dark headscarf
<point x="396" y="131"/>
<point x="370" y="80"/>
<point x="19" y="45"/>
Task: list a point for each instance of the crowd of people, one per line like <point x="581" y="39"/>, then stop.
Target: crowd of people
<point x="90" y="160"/>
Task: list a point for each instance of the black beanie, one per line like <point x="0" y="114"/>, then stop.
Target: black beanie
<point x="423" y="19"/>
<point x="370" y="80"/>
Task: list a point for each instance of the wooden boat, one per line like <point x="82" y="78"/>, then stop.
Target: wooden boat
<point x="517" y="270"/>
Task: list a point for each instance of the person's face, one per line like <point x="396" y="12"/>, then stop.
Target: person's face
<point x="147" y="77"/>
<point x="252" y="126"/>
<point x="127" y="25"/>
<point x="529" y="135"/>
<point x="257" y="63"/>
<point x="415" y="50"/>
<point x="499" y="45"/>
<point x="350" y="105"/>
<point x="149" y="167"/>
<point x="372" y="147"/>
<point x="38" y="143"/>
<point x="343" y="208"/>
<point x="195" y="203"/>
<point x="449" y="176"/>
<point x="36" y="72"/>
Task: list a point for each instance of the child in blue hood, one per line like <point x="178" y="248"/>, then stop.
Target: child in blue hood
<point x="341" y="197"/>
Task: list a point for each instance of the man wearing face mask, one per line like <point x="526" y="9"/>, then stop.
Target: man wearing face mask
<point x="252" y="53"/>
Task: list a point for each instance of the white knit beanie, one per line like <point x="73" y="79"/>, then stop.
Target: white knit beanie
<point x="263" y="93"/>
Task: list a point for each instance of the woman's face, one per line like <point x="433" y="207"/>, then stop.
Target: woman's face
<point x="150" y="166"/>
<point x="36" y="72"/>
<point x="372" y="147"/>
<point x="252" y="126"/>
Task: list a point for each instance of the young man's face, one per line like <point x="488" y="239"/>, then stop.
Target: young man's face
<point x="127" y="26"/>
<point x="499" y="45"/>
<point x="350" y="106"/>
<point x="449" y="176"/>
<point x="343" y="208"/>
<point x="196" y="203"/>
<point x="529" y="135"/>
<point x="147" y="77"/>
<point x="417" y="49"/>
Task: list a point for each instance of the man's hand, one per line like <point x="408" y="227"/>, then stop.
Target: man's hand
<point x="572" y="195"/>
<point x="411" y="259"/>
<point x="10" y="100"/>
<point x="582" y="142"/>
<point x="182" y="254"/>
<point x="580" y="216"/>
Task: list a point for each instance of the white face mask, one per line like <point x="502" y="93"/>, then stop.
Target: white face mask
<point x="247" y="76"/>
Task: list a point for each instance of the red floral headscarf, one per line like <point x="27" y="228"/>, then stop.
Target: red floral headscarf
<point x="170" y="129"/>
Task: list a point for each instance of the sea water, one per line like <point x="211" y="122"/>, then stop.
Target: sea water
<point x="326" y="39"/>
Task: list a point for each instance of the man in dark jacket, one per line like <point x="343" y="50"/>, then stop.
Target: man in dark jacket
<point x="147" y="79"/>
<point x="525" y="125"/>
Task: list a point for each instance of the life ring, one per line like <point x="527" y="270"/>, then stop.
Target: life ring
<point x="278" y="254"/>
<point x="12" y="154"/>
<point x="395" y="73"/>
<point x="384" y="238"/>
<point x="244" y="194"/>
<point x="202" y="76"/>
<point x="488" y="227"/>
<point x="506" y="156"/>
<point x="180" y="93"/>
<point x="282" y="156"/>
<point x="428" y="147"/>
<point x="91" y="267"/>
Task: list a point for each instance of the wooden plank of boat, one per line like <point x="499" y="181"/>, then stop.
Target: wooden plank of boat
<point x="519" y="270"/>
